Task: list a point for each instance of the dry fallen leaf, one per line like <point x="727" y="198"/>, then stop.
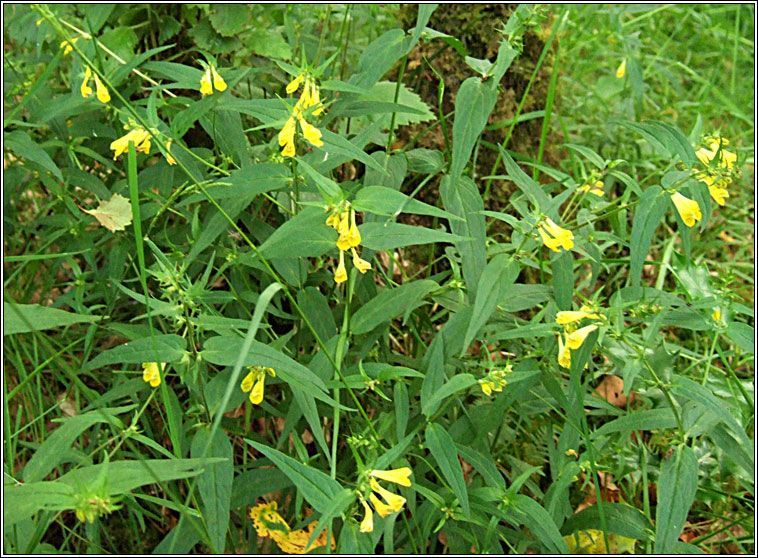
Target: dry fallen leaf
<point x="114" y="214"/>
<point x="612" y="390"/>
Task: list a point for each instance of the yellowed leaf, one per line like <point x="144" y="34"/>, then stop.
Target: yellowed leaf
<point x="591" y="542"/>
<point x="114" y="214"/>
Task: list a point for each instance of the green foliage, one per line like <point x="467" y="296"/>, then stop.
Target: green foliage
<point x="286" y="298"/>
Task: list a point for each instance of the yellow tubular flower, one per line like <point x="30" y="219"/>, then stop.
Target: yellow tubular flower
<point x="394" y="501"/>
<point x="139" y="136"/>
<point x="205" y="83"/>
<point x="575" y="340"/>
<point x="254" y="382"/>
<point x="564" y="353"/>
<point x="169" y="158"/>
<point x="218" y="81"/>
<point x="398" y="476"/>
<point x="311" y="133"/>
<point x="554" y="236"/>
<point x="102" y="91"/>
<point x="340" y="276"/>
<point x="688" y="209"/>
<point x="716" y="315"/>
<point x="594" y="188"/>
<point x="569" y="316"/>
<point x="333" y="220"/>
<point x="294" y="84"/>
<point x="367" y="525"/>
<point x="315" y="99"/>
<point x="621" y="71"/>
<point x="381" y="508"/>
<point x="85" y="89"/>
<point x="361" y="265"/>
<point x="152" y="374"/>
<point x="353" y="235"/>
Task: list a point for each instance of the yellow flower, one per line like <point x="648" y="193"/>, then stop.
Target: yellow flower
<point x="102" y="92"/>
<point x="310" y="132"/>
<point x="254" y="382"/>
<point x="314" y="99"/>
<point x="152" y="374"/>
<point x="139" y="136"/>
<point x="569" y="316"/>
<point x="65" y="45"/>
<point x="494" y="381"/>
<point x="169" y="158"/>
<point x="294" y="84"/>
<point x="594" y="188"/>
<point x="564" y="353"/>
<point x="361" y="265"/>
<point x="395" y="502"/>
<point x="621" y="70"/>
<point x="716" y="315"/>
<point x="205" y="83"/>
<point x="381" y="508"/>
<point x="218" y="81"/>
<point x="367" y="525"/>
<point x="340" y="276"/>
<point x="85" y="88"/>
<point x="575" y="339"/>
<point x="688" y="209"/>
<point x="726" y="158"/>
<point x="554" y="236"/>
<point x="398" y="476"/>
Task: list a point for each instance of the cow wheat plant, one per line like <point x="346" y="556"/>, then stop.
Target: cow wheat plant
<point x="261" y="295"/>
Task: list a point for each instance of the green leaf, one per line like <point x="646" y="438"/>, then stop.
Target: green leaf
<point x="461" y="197"/>
<point x="443" y="449"/>
<point x="160" y="348"/>
<point x="531" y="189"/>
<point x="620" y="519"/>
<point x="539" y="522"/>
<point x="215" y="483"/>
<point x="53" y="449"/>
<point x="386" y="201"/>
<point x="268" y="43"/>
<point x="22" y="318"/>
<point x="22" y="145"/>
<point x="388" y="236"/>
<point x="336" y="144"/>
<point x="230" y="19"/>
<point x="743" y="335"/>
<point x="653" y="205"/>
<point x="666" y="139"/>
<point x="390" y="304"/>
<point x="649" y="419"/>
<point x="458" y="383"/>
<point x="473" y="103"/>
<point x="494" y="283"/>
<point x="563" y="278"/>
<point x="329" y="188"/>
<point x="379" y="56"/>
<point x="338" y="505"/>
<point x="317" y="488"/>
<point x="380" y="99"/>
<point x="224" y="350"/>
<point x="304" y="236"/>
<point x="676" y="492"/>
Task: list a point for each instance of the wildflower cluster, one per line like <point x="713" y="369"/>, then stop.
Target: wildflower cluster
<point x="141" y="138"/>
<point x="573" y="337"/>
<point x="495" y="379"/>
<point x="394" y="502"/>
<point x="554" y="236"/>
<point x="211" y="76"/>
<point x="268" y="523"/>
<point x="309" y="98"/>
<point x="342" y="219"/>
<point x="720" y="167"/>
<point x="254" y="382"/>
